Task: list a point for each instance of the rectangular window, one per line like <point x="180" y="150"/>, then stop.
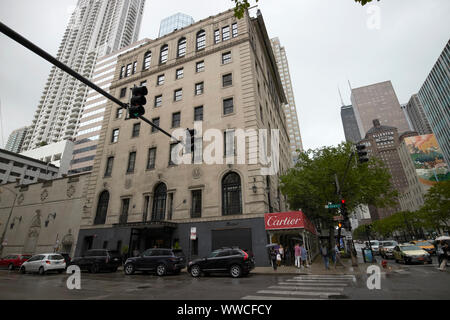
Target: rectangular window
<point x="128" y="70"/>
<point x="123" y="92"/>
<point x="198" y="113"/>
<point x="229" y="143"/>
<point x="200" y="66"/>
<point x="136" y="129"/>
<point x="158" y="101"/>
<point x="156" y="122"/>
<point x="226" y="33"/>
<point x="124" y="214"/>
<point x="122" y="72"/>
<point x="170" y="208"/>
<point x="160" y="80"/>
<point x="226" y="57"/>
<point x="196" y="208"/>
<point x="176" y="117"/>
<point x="228" y="106"/>
<point x="227" y="80"/>
<point x="134" y="67"/>
<point x="131" y="162"/>
<point x="109" y="165"/>
<point x="146" y="204"/>
<point x="178" y="95"/>
<point x="217" y="36"/>
<point x="171" y="163"/>
<point x="198" y="88"/>
<point x="115" y="135"/>
<point x="179" y="73"/>
<point x="234" y="30"/>
<point x="119" y="112"/>
<point x="151" y="158"/>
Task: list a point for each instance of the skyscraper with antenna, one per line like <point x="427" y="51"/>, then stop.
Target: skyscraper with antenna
<point x="351" y="129"/>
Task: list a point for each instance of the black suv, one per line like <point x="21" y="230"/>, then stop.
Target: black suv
<point x="161" y="261"/>
<point x="98" y="260"/>
<point x="234" y="261"/>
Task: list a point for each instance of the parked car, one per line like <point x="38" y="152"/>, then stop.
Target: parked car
<point x="161" y="261"/>
<point x="236" y="262"/>
<point x="408" y="253"/>
<point x="386" y="248"/>
<point x="13" y="261"/>
<point x="97" y="260"/>
<point x="425" y="245"/>
<point x="43" y="263"/>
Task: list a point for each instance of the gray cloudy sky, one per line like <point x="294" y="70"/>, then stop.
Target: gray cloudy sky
<point x="327" y="42"/>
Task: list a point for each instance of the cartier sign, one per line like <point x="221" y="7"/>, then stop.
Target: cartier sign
<point x="287" y="220"/>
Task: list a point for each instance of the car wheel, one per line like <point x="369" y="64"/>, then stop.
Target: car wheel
<point x="22" y="270"/>
<point x="11" y="267"/>
<point x="129" y="269"/>
<point x="235" y="271"/>
<point x="195" y="271"/>
<point x="94" y="268"/>
<point x="161" y="270"/>
<point x="41" y="271"/>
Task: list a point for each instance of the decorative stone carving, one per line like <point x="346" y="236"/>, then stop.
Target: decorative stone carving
<point x="196" y="173"/>
<point x="44" y="194"/>
<point x="70" y="191"/>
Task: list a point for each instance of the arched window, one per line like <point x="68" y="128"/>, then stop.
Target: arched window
<point x="181" y="52"/>
<point x="231" y="194"/>
<point x="102" y="208"/>
<point x="164" y="54"/>
<point x="159" y="202"/>
<point x="201" y="40"/>
<point x="147" y="60"/>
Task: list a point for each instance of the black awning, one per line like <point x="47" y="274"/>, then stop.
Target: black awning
<point x="148" y="225"/>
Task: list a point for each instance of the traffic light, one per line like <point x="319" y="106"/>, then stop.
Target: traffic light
<point x="362" y="153"/>
<point x="340" y="225"/>
<point x="137" y="102"/>
<point x="343" y="208"/>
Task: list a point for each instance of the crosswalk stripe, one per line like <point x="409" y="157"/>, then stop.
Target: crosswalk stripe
<point x="322" y="284"/>
<point x="275" y="298"/>
<point x="300" y="293"/>
<point x="297" y="288"/>
<point x="351" y="278"/>
<point x="316" y="282"/>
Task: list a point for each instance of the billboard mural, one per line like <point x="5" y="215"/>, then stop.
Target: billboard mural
<point x="428" y="159"/>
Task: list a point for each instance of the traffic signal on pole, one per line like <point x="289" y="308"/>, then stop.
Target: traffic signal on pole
<point x="340" y="225"/>
<point x="362" y="153"/>
<point x="137" y="102"/>
<point x="343" y="207"/>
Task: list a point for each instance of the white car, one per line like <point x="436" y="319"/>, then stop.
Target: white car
<point x="43" y="263"/>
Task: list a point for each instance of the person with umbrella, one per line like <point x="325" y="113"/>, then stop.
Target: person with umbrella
<point x="444" y="256"/>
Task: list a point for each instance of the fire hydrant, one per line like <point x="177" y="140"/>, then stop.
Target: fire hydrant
<point x="384" y="264"/>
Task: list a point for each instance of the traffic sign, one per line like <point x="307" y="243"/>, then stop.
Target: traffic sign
<point x="338" y="218"/>
<point x="332" y="206"/>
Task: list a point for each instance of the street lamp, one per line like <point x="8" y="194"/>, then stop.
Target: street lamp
<point x="9" y="217"/>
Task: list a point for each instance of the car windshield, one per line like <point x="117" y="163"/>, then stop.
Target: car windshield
<point x="389" y="244"/>
<point x="56" y="257"/>
<point x="214" y="254"/>
<point x="26" y="257"/>
<point x="410" y="248"/>
<point x="374" y="242"/>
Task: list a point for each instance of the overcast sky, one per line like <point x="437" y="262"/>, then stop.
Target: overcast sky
<point x="327" y="42"/>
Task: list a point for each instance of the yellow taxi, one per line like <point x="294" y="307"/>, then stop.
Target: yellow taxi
<point x="425" y="245"/>
<point x="409" y="253"/>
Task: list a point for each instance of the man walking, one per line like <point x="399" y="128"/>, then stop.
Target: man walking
<point x="324" y="253"/>
<point x="304" y="256"/>
<point x="273" y="258"/>
<point x="298" y="255"/>
<point x="445" y="253"/>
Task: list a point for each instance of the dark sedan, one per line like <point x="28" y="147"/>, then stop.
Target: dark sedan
<point x="236" y="262"/>
<point x="161" y="261"/>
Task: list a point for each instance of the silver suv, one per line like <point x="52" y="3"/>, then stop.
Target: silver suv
<point x="386" y="248"/>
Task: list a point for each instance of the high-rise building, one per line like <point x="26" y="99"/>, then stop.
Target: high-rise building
<point x="435" y="98"/>
<point x="96" y="28"/>
<point x="91" y="119"/>
<point x="173" y="23"/>
<point x="289" y="108"/>
<point x="16" y="139"/>
<point x="416" y="115"/>
<point x="138" y="196"/>
<point x="378" y="101"/>
<point x="351" y="129"/>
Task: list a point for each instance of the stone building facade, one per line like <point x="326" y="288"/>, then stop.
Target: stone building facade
<point x="42" y="217"/>
<point x="220" y="71"/>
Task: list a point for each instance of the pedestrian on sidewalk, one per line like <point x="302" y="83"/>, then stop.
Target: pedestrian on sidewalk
<point x="281" y="253"/>
<point x="445" y="256"/>
<point x="304" y="256"/>
<point x="324" y="253"/>
<point x="273" y="258"/>
<point x="337" y="257"/>
<point x="287" y="256"/>
<point x="298" y="255"/>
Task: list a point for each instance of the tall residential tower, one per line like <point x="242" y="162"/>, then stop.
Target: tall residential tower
<point x="96" y="28"/>
<point x="289" y="108"/>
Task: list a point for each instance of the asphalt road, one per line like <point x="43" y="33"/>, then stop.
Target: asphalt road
<point x="411" y="282"/>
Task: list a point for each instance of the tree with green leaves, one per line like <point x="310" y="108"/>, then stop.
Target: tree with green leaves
<point x="310" y="185"/>
<point x="242" y="5"/>
<point x="436" y="209"/>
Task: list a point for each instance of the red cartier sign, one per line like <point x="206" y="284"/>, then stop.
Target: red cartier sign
<point x="288" y="220"/>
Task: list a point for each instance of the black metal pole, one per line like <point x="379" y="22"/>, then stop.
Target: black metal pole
<point x="31" y="46"/>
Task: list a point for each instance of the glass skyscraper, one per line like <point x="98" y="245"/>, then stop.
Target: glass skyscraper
<point x="175" y="22"/>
